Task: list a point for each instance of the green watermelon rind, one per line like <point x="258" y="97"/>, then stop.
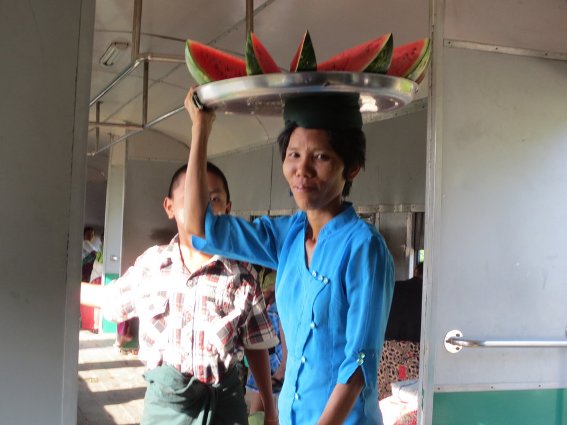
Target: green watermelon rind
<point x="252" y="65"/>
<point x="307" y="60"/>
<point x="420" y="67"/>
<point x="255" y="51"/>
<point x="381" y="63"/>
<point x="194" y="69"/>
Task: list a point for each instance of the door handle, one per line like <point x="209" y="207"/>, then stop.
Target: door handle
<point x="455" y="341"/>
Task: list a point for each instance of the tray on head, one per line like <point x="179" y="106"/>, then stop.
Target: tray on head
<point x="266" y="94"/>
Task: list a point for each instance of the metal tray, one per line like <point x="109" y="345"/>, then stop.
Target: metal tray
<point x="266" y="94"/>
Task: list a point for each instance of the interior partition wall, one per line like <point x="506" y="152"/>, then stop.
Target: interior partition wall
<point x="46" y="54"/>
<point x="495" y="215"/>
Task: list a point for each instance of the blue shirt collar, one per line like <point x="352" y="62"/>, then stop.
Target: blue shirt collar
<point x="347" y="215"/>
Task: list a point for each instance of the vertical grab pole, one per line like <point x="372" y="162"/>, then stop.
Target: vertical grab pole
<point x="249" y="17"/>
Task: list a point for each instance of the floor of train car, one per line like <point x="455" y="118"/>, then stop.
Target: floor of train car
<point x="111" y="386"/>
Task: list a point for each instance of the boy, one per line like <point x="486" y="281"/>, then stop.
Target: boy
<point x="198" y="313"/>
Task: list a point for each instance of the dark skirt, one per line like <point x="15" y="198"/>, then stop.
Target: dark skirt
<point x="176" y="399"/>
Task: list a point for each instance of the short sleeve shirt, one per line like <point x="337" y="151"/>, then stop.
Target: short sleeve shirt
<point x="197" y="322"/>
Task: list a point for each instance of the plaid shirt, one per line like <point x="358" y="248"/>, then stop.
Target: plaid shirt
<point x="197" y="322"/>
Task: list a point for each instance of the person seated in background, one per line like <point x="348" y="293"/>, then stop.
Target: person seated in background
<point x="89" y="253"/>
<point x="278" y="354"/>
<point x="400" y="357"/>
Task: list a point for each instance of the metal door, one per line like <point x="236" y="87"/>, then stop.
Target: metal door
<point x="496" y="233"/>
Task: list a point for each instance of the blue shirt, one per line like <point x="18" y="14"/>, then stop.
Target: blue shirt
<point x="333" y="313"/>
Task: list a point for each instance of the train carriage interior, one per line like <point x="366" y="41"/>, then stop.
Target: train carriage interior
<point x="139" y="132"/>
<point x="137" y="97"/>
<point x="468" y="177"/>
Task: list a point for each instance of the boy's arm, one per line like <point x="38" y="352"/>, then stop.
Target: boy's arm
<point x="92" y="295"/>
<point x="259" y="362"/>
<point x="196" y="191"/>
<point x="342" y="399"/>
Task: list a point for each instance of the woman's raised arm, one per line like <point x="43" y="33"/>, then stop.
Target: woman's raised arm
<point x="196" y="192"/>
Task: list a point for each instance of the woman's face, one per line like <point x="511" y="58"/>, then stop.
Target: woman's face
<point x="313" y="170"/>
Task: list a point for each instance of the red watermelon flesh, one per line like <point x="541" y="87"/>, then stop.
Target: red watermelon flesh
<point x="208" y="64"/>
<point x="258" y="60"/>
<point x="372" y="56"/>
<point x="406" y="58"/>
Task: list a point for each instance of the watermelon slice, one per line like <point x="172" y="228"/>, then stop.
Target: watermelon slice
<point x="304" y="59"/>
<point x="208" y="64"/>
<point x="411" y="60"/>
<point x="258" y="60"/>
<point x="372" y="56"/>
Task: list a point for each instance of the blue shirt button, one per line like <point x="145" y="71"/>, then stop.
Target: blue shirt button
<point x="296" y="396"/>
<point x="314" y="273"/>
<point x="303" y="359"/>
<point x="326" y="280"/>
<point x="312" y="325"/>
<point x="360" y="359"/>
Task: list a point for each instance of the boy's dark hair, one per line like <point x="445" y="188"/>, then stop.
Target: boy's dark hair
<point x="87" y="229"/>
<point x="349" y="145"/>
<point x="211" y="168"/>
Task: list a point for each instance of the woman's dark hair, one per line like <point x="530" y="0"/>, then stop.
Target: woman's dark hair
<point x="349" y="145"/>
<point x="211" y="168"/>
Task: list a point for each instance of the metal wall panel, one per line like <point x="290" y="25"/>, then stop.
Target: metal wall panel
<point x="394" y="172"/>
<point x="249" y="178"/>
<point x="531" y="24"/>
<point x="394" y="226"/>
<point x="145" y="222"/>
<point x="499" y="218"/>
<point x="395" y="163"/>
<point x="42" y="158"/>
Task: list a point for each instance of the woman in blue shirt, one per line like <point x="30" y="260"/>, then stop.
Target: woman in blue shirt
<point x="334" y="272"/>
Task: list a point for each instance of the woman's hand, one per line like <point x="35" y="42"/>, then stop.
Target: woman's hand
<point x="202" y="119"/>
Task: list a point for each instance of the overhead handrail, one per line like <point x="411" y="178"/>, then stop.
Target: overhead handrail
<point x="454" y="342"/>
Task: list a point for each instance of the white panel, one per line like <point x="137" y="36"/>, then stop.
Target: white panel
<point x="151" y="145"/>
<point x="333" y="25"/>
<point x="44" y="88"/>
<point x="95" y="204"/>
<point x="145" y="221"/>
<point x="249" y="178"/>
<point x="394" y="174"/>
<point x="530" y="24"/>
<point x="394" y="226"/>
<point x="233" y="132"/>
<point x="395" y="162"/>
<point x="114" y="219"/>
<point x="500" y="272"/>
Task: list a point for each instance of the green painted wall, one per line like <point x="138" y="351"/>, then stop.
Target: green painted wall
<point x="533" y="407"/>
<point x="109" y="327"/>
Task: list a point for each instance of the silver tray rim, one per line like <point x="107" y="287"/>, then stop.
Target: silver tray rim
<point x="266" y="94"/>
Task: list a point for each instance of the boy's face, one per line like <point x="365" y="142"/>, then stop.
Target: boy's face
<point x="218" y="195"/>
<point x="174" y="207"/>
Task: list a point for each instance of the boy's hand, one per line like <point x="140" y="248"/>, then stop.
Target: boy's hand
<point x="270" y="420"/>
<point x="202" y="119"/>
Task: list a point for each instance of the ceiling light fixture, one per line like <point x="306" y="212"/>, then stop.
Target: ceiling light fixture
<point x="113" y="52"/>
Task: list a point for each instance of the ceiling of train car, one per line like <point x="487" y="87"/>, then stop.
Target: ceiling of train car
<point x="164" y="26"/>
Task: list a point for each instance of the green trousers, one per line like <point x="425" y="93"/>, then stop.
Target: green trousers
<point x="175" y="399"/>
